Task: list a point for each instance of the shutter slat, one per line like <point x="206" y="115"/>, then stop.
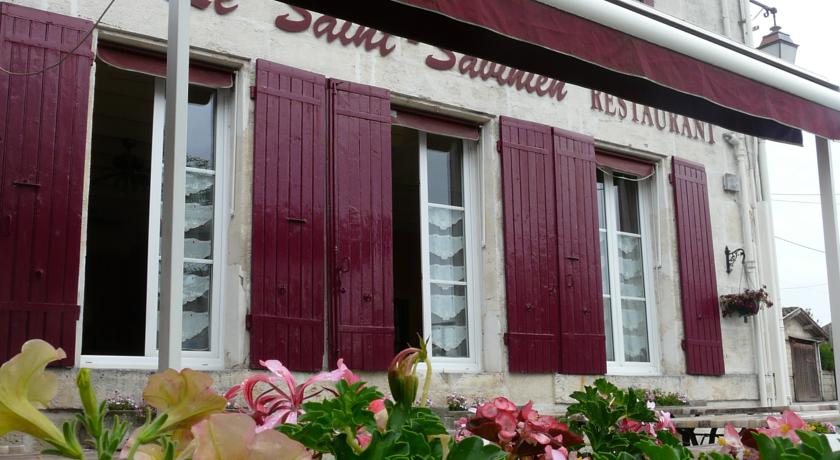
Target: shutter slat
<point x="531" y="276"/>
<point x="361" y="229"/>
<point x="288" y="247"/>
<point x="698" y="281"/>
<point x="44" y="118"/>
<point x="582" y="340"/>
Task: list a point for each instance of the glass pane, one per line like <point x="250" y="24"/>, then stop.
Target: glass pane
<point x="608" y="330"/>
<point x="631" y="272"/>
<point x="201" y="128"/>
<point x="634" y="322"/>
<point x="605" y="263"/>
<point x="627" y="199"/>
<point x="447" y="257"/>
<point x="449" y="321"/>
<point x="197" y="284"/>
<point x="198" y="216"/>
<point x="444" y="160"/>
<point x="602" y="205"/>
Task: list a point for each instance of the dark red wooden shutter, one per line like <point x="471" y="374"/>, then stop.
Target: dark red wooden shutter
<point x="583" y="348"/>
<point x="531" y="265"/>
<point x="698" y="280"/>
<point x="288" y="229"/>
<point x="42" y="157"/>
<point x="361" y="233"/>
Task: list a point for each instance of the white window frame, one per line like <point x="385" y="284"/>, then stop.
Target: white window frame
<point x="207" y="360"/>
<point x="470" y="184"/>
<point x="619" y="366"/>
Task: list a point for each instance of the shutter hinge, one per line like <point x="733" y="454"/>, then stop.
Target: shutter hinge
<point x="248" y="322"/>
<point x="506" y="338"/>
<point x="682" y="344"/>
<point x="499" y="146"/>
<point x="253" y="92"/>
<point x="671" y="178"/>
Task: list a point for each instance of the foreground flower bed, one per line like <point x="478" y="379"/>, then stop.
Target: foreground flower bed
<point x="338" y="414"/>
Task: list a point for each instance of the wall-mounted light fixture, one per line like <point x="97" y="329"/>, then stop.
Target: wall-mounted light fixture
<point x="776" y="43"/>
<point x="732" y="256"/>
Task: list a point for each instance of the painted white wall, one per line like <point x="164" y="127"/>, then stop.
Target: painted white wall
<point x="250" y="33"/>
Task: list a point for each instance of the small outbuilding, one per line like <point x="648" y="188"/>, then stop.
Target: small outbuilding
<point x="803" y="336"/>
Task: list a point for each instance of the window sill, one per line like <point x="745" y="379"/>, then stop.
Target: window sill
<point x="450" y="367"/>
<point x="632" y="371"/>
<point x="147" y="362"/>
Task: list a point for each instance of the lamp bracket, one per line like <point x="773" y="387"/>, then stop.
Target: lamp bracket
<point x="732" y="256"/>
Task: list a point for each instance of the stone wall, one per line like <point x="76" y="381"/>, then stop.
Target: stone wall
<point x="829" y="390"/>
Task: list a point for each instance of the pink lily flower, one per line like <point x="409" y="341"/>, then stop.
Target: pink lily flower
<point x="785" y="426"/>
<point x="273" y="406"/>
<point x="664" y="422"/>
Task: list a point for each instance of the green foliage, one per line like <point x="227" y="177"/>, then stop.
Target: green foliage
<point x="323" y="421"/>
<point x="330" y="426"/>
<point x="473" y="448"/>
<point x="666" y="398"/>
<point x="603" y="406"/>
<point x="827" y="356"/>
<point x="813" y="447"/>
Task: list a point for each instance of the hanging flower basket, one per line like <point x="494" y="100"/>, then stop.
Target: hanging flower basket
<point x="745" y="304"/>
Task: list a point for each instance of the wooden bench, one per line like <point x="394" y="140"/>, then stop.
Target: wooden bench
<point x="689" y="419"/>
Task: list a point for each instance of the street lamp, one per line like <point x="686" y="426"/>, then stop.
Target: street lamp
<point x="776" y="43"/>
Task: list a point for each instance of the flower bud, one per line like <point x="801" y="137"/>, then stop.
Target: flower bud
<point x="86" y="393"/>
<point x="402" y="376"/>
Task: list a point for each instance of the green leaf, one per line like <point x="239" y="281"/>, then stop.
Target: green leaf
<point x="473" y="448"/>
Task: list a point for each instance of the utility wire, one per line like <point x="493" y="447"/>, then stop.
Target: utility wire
<point x="800" y="194"/>
<point x="805" y="287"/>
<point x="66" y="56"/>
<point x="776" y="200"/>
<point x="800" y="245"/>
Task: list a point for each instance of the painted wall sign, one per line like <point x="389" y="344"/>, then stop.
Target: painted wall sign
<point x="333" y="29"/>
<point x="648" y="116"/>
<point x="504" y="76"/>
<point x="349" y="34"/>
<point x="222" y="7"/>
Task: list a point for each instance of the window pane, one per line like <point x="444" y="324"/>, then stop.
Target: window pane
<point x="627" y="199"/>
<point x="608" y="330"/>
<point x="446" y="245"/>
<point x="602" y="206"/>
<point x="197" y="283"/>
<point x="449" y="321"/>
<point x="631" y="266"/>
<point x="605" y="263"/>
<point x="195" y="316"/>
<point x="201" y="128"/>
<point x="634" y="322"/>
<point x="444" y="170"/>
<point x="198" y="216"/>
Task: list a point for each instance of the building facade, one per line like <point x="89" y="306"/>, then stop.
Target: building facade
<point x="348" y="191"/>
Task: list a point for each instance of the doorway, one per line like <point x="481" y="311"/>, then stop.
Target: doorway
<point x="806" y="370"/>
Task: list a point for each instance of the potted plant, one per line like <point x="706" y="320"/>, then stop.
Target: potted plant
<point x="745" y="304"/>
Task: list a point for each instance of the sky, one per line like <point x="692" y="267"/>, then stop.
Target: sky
<point x="793" y="170"/>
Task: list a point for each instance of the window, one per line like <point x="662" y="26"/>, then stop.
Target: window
<point x="123" y="255"/>
<point x="625" y="279"/>
<point x="434" y="269"/>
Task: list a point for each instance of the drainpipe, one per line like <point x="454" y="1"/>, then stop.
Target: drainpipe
<point x="770" y="276"/>
<point x="740" y="153"/>
<point x="724" y="18"/>
<point x="767" y="246"/>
